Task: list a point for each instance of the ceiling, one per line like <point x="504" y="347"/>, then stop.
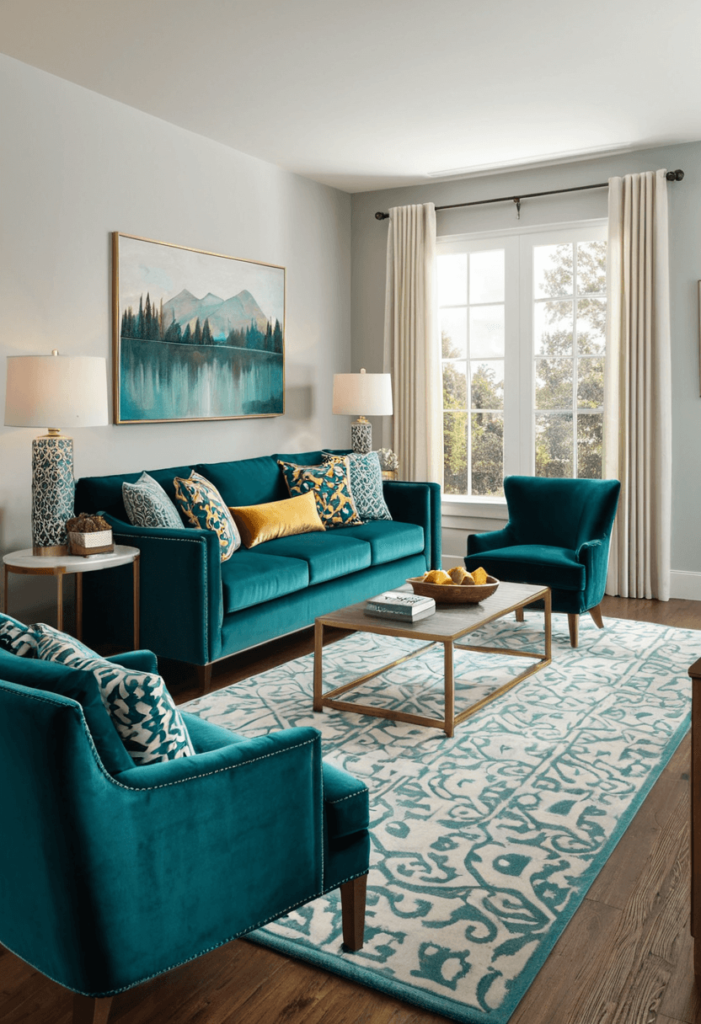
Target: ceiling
<point x="368" y="94"/>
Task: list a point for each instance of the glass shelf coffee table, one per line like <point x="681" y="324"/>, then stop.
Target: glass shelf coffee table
<point x="450" y="624"/>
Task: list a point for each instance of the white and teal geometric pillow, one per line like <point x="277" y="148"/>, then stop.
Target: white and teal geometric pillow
<point x="17" y="639"/>
<point x="148" y="722"/>
<point x="366" y="484"/>
<point x="147" y="504"/>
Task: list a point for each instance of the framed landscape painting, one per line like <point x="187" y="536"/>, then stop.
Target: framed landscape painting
<point x="196" y="335"/>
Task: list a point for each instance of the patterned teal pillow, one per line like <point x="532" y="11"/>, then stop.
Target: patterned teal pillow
<point x="148" y="722"/>
<point x="366" y="484"/>
<point x="147" y="504"/>
<point x="203" y="507"/>
<point x="331" y="487"/>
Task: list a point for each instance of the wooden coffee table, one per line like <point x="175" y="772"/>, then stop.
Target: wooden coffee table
<point x="450" y="623"/>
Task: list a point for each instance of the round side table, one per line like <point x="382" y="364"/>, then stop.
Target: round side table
<point x="25" y="563"/>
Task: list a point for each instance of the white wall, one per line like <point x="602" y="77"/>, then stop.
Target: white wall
<point x="369" y="240"/>
<point x="75" y="166"/>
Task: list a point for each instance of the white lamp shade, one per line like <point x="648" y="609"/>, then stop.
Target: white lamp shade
<point x="362" y="394"/>
<point x="56" y="391"/>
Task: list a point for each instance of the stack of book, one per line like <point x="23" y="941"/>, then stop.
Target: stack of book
<point x="400" y="606"/>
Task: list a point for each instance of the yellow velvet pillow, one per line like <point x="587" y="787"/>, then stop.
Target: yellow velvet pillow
<point x="258" y="523"/>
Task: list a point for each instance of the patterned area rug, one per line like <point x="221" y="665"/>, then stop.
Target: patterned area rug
<point x="484" y="845"/>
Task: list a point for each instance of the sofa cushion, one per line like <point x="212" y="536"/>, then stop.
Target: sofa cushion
<point x="330" y="484"/>
<point x="328" y="555"/>
<point x="205" y="509"/>
<point x="366" y="484"/>
<point x="246" y="481"/>
<point x="147" y="504"/>
<point x="144" y="714"/>
<point x="286" y="518"/>
<point x="251" y="577"/>
<point x="389" y="540"/>
<point x="532" y="563"/>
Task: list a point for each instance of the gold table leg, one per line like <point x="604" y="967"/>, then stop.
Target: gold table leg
<point x="318" y="651"/>
<point x="137" y="590"/>
<point x="449" y="690"/>
<point x="79" y="605"/>
<point x="4" y="595"/>
<point x="59" y="600"/>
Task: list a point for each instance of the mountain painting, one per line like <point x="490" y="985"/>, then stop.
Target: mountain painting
<point x="196" y="335"/>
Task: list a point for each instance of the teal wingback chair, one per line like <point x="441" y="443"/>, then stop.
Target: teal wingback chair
<point x="557" y="536"/>
<point x="109" y="878"/>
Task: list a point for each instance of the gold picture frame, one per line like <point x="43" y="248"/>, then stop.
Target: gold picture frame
<point x="196" y="335"/>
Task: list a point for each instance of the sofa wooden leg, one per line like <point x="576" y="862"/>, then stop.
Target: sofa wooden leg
<point x="353" y="912"/>
<point x="520" y="615"/>
<point x="90" y="1011"/>
<point x="573" y="622"/>
<point x="596" y="616"/>
<point x="204" y="677"/>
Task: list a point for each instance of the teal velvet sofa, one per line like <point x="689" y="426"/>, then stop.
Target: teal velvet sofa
<point x="112" y="873"/>
<point x="558" y="536"/>
<point x="196" y="609"/>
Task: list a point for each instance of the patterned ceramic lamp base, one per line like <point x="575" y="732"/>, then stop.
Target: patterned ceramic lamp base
<point x="361" y="436"/>
<point x="53" y="489"/>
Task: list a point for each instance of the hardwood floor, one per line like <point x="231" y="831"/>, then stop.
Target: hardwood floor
<point x="625" y="958"/>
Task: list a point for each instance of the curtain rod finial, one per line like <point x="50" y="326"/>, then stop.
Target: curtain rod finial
<point x="381" y="216"/>
<point x="674" y="175"/>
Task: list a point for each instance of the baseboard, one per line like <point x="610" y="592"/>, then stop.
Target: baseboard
<point x="685" y="585"/>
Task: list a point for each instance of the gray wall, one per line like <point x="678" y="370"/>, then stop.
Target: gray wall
<point x="369" y="238"/>
<point x="75" y="166"/>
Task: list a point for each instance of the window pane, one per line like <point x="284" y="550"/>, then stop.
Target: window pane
<point x="455" y="452"/>
<point x="552" y="334"/>
<point x="553" y="383"/>
<point x="486" y="332"/>
<point x="453" y="333"/>
<point x="591" y="326"/>
<point x="591" y="267"/>
<point x="487" y="276"/>
<point x="590" y="436"/>
<point x="487" y="468"/>
<point x="552" y="270"/>
<point x="590" y="384"/>
<point x="487" y="381"/>
<point x="455" y="385"/>
<point x="553" y="444"/>
<point x="452" y="279"/>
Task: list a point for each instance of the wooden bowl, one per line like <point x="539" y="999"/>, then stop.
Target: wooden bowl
<point x="447" y="593"/>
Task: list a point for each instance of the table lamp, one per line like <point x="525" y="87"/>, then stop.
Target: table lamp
<point x="72" y="391"/>
<point x="362" y="394"/>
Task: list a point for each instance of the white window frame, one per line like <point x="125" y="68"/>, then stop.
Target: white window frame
<point x="519" y="361"/>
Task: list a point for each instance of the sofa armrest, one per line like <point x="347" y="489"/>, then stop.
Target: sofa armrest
<point x="492" y="540"/>
<point x="418" y="503"/>
<point x="593" y="554"/>
<point x="180" y="589"/>
<point x="136" y="661"/>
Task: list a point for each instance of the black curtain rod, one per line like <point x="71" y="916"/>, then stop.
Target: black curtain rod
<point x="671" y="176"/>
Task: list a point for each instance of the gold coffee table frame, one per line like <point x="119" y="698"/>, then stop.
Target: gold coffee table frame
<point x="449" y="624"/>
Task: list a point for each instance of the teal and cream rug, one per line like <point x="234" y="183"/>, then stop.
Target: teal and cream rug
<point x="484" y="845"/>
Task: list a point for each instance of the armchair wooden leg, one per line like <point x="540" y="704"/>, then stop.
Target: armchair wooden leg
<point x="204" y="677"/>
<point x="573" y="622"/>
<point x="353" y="912"/>
<point x="90" y="1011"/>
<point x="596" y="616"/>
<point x="520" y="615"/>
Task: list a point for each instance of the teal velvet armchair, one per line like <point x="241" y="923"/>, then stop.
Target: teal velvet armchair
<point x="109" y="878"/>
<point x="558" y="536"/>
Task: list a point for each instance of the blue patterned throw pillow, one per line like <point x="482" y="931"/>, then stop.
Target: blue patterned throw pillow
<point x="330" y="484"/>
<point x="148" y="722"/>
<point x="17" y="639"/>
<point x="147" y="504"/>
<point x="204" y="508"/>
<point x="366" y="484"/>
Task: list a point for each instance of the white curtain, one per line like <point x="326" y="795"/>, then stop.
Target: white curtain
<point x="638" y="391"/>
<point x="412" y="354"/>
